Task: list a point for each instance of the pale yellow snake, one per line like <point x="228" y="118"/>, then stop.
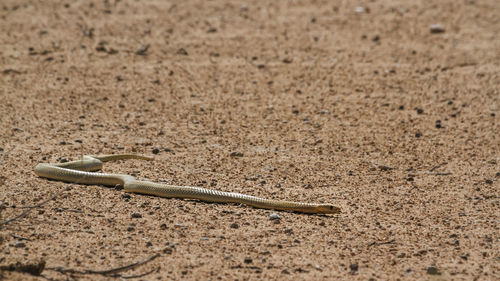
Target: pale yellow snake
<point x="82" y="171"/>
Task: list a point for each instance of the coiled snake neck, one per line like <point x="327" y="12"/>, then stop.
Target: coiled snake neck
<point x="83" y="172"/>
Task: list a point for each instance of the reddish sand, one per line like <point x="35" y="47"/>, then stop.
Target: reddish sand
<point x="355" y="103"/>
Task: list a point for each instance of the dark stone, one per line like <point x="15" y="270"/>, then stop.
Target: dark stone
<point x="354" y="267"/>
<point x="137" y="215"/>
<point x="432" y="270"/>
<point x="236" y="154"/>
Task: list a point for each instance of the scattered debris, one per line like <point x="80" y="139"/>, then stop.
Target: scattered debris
<point x="35" y="268"/>
<point x="25" y="213"/>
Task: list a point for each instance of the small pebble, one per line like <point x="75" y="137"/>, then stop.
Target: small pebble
<point x="420" y="110"/>
<point x="248" y="260"/>
<point x="432" y="270"/>
<point x="437" y="28"/>
<point x="438" y="124"/>
<point x="163" y="226"/>
<point x="126" y="196"/>
<point x="19" y="244"/>
<point x="274" y="216"/>
<point x="359" y="9"/>
<point x="130" y="228"/>
<point x="376" y="38"/>
<point x="183" y="52"/>
<point x="137" y="215"/>
<point x="385" y="168"/>
<point x="142" y="50"/>
<point x="354" y="267"/>
<point x="235" y="225"/>
<point x="156" y="150"/>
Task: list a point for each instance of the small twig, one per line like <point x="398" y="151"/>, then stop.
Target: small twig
<point x="139" y="275"/>
<point x="442" y="174"/>
<point x="108" y="272"/>
<point x="381" y="243"/>
<point x="67" y="210"/>
<point x="25" y="213"/>
<point x="129" y="266"/>
<point x="19" y="237"/>
<point x="437" y="166"/>
<point x="432" y="173"/>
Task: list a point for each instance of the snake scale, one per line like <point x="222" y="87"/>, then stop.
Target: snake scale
<point x="83" y="172"/>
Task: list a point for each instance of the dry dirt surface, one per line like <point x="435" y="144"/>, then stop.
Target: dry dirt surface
<point x="387" y="109"/>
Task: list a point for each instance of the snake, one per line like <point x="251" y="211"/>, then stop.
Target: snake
<point x="84" y="171"/>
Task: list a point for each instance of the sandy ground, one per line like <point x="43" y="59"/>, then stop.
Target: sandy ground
<point x="356" y="103"/>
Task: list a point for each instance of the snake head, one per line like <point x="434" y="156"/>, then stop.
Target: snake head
<point x="327" y="209"/>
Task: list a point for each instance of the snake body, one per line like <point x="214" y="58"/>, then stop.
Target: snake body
<point x="83" y="172"/>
